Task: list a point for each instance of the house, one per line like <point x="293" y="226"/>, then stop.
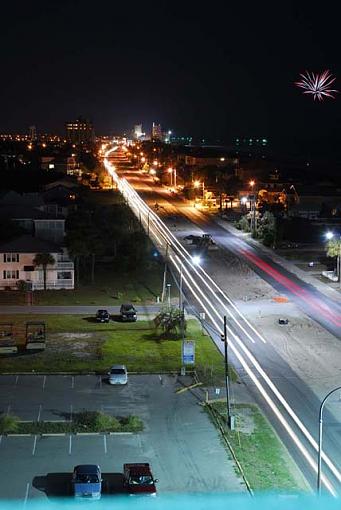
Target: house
<point x="50" y="227"/>
<point x="16" y="263"/>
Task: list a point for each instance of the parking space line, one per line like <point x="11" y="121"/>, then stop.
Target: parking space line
<point x="39" y="413"/>
<point x="0" y="439"/>
<point x="34" y="445"/>
<point x="71" y="412"/>
<point x="72" y="381"/>
<point x="26" y="493"/>
<point x="105" y="444"/>
<point x="8" y="409"/>
<point x="44" y="382"/>
<point x="70" y="444"/>
<point x="100" y="381"/>
<point x="16" y="380"/>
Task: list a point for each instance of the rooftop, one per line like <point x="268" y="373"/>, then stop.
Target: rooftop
<point x="29" y="244"/>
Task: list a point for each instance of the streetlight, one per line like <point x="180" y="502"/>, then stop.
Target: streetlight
<point x="170" y="171"/>
<point x="319" y="463"/>
<point x="196" y="184"/>
<point x="253" y="203"/>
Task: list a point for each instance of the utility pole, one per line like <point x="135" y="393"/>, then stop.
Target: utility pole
<point x="229" y="417"/>
<point x="164" y="276"/>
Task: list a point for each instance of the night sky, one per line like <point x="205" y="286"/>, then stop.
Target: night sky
<point x="223" y="70"/>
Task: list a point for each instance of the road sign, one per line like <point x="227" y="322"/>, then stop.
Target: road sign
<point x="188" y="352"/>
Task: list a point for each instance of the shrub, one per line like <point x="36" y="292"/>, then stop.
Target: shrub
<point x="94" y="421"/>
<point x="8" y="423"/>
<point x="132" y="423"/>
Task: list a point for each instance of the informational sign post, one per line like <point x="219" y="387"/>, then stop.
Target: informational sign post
<point x="188" y="352"/>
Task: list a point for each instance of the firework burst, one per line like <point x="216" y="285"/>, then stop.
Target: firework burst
<point x="318" y="85"/>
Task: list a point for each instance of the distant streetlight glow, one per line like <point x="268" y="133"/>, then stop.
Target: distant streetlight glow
<point x="196" y="260"/>
<point x="170" y="170"/>
<point x="152" y="171"/>
<point x="329" y="235"/>
<point x="252" y="183"/>
<point x="196" y="184"/>
<point x="143" y="160"/>
<point x="243" y="200"/>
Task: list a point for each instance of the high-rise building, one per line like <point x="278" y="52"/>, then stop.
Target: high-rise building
<point x="156" y="132"/>
<point x="33" y="134"/>
<point x="138" y="131"/>
<point x="80" y="131"/>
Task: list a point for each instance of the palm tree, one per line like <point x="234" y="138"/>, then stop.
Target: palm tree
<point x="44" y="259"/>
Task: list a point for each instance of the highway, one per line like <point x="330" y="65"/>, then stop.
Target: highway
<point x="286" y="398"/>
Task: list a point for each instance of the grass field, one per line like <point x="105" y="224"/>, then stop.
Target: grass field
<point x="110" y="288"/>
<point x="266" y="463"/>
<point x="79" y="344"/>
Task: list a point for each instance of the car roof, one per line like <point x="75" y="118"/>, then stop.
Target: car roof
<point x="127" y="305"/>
<point x="87" y="468"/>
<point x="123" y="367"/>
<point x="102" y="311"/>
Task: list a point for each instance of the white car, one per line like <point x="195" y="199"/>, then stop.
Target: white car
<point x="118" y="374"/>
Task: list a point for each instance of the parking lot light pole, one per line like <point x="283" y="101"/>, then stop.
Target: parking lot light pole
<point x="168" y="293"/>
<point x="319" y="463"/>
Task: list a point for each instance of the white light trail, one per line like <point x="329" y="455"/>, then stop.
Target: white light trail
<point x="182" y="257"/>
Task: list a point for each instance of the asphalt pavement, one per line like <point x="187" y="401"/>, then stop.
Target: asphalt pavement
<point x="179" y="440"/>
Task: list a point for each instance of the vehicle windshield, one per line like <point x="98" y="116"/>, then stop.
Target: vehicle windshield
<point x="120" y="371"/>
<point x="141" y="480"/>
<point x="84" y="478"/>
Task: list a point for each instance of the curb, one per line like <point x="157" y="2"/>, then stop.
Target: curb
<point x="121" y="433"/>
<point x="88" y="433"/>
<point x="55" y="434"/>
<point x="20" y="435"/>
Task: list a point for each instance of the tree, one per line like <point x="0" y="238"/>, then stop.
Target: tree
<point x="44" y="259"/>
<point x="266" y="230"/>
<point x="333" y="249"/>
<point x="171" y="321"/>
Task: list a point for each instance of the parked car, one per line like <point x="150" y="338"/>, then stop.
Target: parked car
<point x="128" y="312"/>
<point x="102" y="316"/>
<point x="283" y="320"/>
<point x="138" y="479"/>
<point x="87" y="481"/>
<point x="118" y="374"/>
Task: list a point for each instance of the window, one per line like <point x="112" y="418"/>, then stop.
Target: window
<point x="64" y="275"/>
<point x="11" y="275"/>
<point x="11" y="257"/>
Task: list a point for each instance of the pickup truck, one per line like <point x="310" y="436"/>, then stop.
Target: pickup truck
<point x="87" y="481"/>
<point x="138" y="479"/>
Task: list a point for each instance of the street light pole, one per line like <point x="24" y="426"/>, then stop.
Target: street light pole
<point x="169" y="296"/>
<point x="229" y="418"/>
<point x="180" y="286"/>
<point x="164" y="275"/>
<point x="319" y="463"/>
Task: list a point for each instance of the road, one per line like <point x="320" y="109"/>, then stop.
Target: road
<point x="285" y="397"/>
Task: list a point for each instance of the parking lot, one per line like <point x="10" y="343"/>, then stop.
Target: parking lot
<point x="180" y="442"/>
